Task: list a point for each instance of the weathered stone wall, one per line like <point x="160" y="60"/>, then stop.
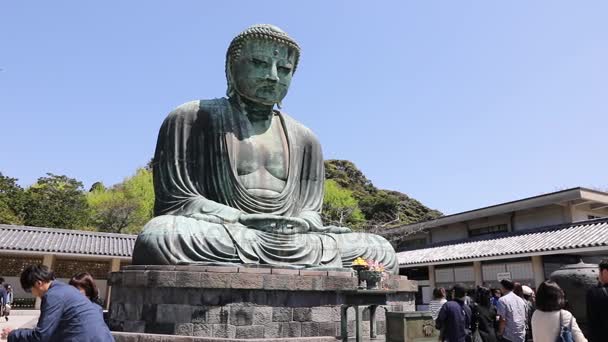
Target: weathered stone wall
<point x="226" y="302"/>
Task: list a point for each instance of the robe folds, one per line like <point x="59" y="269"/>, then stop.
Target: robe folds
<point x="198" y="199"/>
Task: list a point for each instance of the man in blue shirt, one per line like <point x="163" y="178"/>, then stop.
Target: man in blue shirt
<point x="454" y="319"/>
<point x="65" y="314"/>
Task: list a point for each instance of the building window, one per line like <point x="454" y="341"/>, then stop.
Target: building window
<point x="499" y="228"/>
<point x="593" y="217"/>
<point x="69" y="268"/>
<point x="411" y="244"/>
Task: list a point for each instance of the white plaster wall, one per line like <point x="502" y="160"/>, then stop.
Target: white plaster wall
<point x="539" y="217"/>
<point x="490" y="221"/>
<point x="583" y="213"/>
<point x="450" y="232"/>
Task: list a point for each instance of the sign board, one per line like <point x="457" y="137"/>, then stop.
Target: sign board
<point x="503" y="275"/>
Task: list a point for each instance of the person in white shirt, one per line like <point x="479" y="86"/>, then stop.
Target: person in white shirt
<point x="437" y="302"/>
<point x="549" y="317"/>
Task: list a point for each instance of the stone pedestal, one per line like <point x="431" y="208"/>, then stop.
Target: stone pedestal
<point x="241" y="302"/>
<point x="410" y="326"/>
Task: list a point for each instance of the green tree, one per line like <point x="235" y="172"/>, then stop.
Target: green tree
<point x="56" y="201"/>
<point x="125" y="207"/>
<point x="110" y="210"/>
<point x="12" y="199"/>
<point x="97" y="186"/>
<point x="380" y="207"/>
<point x="139" y="188"/>
<point x="340" y="207"/>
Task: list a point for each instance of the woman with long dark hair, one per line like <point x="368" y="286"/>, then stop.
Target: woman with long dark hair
<point x="484" y="315"/>
<point x="437" y="302"/>
<point x="549" y="317"/>
<point x="85" y="283"/>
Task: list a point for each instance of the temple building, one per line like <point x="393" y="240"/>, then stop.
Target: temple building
<point x="524" y="240"/>
<point x="66" y="252"/>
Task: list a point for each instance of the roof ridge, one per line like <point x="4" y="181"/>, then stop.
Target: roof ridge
<point x="589" y="233"/>
<point x="66" y="231"/>
<point x="505" y="235"/>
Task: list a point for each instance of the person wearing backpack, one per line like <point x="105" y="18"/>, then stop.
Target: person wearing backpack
<point x="550" y="323"/>
<point x="454" y="319"/>
<point x="597" y="306"/>
<point x="483" y="316"/>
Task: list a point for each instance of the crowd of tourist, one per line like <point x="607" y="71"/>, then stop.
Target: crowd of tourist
<point x="516" y="313"/>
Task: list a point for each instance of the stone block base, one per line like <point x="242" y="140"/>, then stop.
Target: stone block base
<point x="240" y="303"/>
<point x="132" y="337"/>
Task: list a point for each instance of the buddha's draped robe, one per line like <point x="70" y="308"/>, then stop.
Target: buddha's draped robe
<point x="199" y="199"/>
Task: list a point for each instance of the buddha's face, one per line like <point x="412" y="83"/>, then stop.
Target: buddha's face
<point x="263" y="71"/>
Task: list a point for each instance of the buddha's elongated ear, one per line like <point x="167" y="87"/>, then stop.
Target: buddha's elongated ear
<point x="230" y="91"/>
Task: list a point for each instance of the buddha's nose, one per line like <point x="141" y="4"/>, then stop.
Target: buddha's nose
<point x="273" y="74"/>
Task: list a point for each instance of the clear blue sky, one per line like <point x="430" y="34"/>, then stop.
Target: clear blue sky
<point x="459" y="104"/>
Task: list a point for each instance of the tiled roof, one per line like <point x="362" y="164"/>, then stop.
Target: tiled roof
<point x="592" y="233"/>
<point x="35" y="239"/>
<point x="557" y="197"/>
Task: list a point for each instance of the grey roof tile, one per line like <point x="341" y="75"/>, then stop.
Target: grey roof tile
<point x="592" y="233"/>
<point x="37" y="239"/>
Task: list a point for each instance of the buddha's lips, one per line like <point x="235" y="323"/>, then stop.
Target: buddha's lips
<point x="267" y="89"/>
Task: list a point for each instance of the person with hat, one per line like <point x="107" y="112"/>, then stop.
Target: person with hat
<point x="528" y="296"/>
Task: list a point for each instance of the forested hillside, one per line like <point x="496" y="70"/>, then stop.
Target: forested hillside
<point x="62" y="202"/>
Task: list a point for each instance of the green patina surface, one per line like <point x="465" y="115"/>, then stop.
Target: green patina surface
<point x="238" y="181"/>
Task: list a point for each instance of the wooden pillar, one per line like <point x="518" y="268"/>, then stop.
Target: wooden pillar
<point x="538" y="269"/>
<point x="114" y="267"/>
<point x="432" y="282"/>
<point x="478" y="273"/>
<point x="49" y="261"/>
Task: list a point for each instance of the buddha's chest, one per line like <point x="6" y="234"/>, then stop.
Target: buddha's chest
<point x="266" y="154"/>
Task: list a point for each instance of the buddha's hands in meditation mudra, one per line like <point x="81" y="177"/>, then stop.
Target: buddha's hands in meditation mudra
<point x="274" y="223"/>
<point x="285" y="225"/>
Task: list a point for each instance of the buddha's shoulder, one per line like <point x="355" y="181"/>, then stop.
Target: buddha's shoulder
<point x="195" y="108"/>
<point x="298" y="127"/>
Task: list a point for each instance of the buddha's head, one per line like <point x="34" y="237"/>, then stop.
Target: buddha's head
<point x="260" y="63"/>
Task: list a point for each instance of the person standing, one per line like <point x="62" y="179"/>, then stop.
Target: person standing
<point x="512" y="312"/>
<point x="454" y="319"/>
<point x="496" y="294"/>
<point x="437" y="302"/>
<point x="484" y="315"/>
<point x="9" y="301"/>
<point x="3" y="299"/>
<point x="597" y="306"/>
<point x="549" y="317"/>
<point x="85" y="283"/>
<point x="65" y="314"/>
<point x="528" y="295"/>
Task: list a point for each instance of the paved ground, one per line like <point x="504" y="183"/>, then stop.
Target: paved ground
<point x="20" y="319"/>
